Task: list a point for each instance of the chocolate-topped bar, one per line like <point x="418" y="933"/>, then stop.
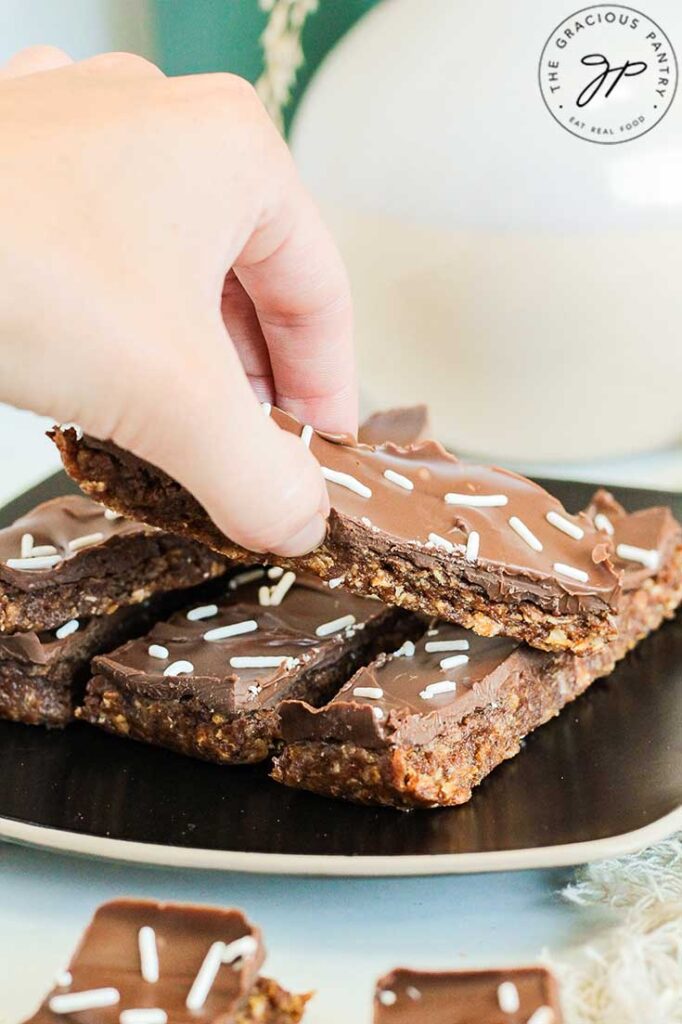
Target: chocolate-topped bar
<point x="209" y="682"/>
<point x="515" y="995"/>
<point x="142" y="962"/>
<point x="402" y="426"/>
<point x="415" y="527"/>
<point x="43" y="674"/>
<point x="423" y="727"/>
<point x="70" y="558"/>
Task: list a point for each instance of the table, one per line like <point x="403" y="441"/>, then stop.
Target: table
<point x="334" y="935"/>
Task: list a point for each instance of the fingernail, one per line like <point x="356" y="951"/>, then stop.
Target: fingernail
<point x="307" y="539"/>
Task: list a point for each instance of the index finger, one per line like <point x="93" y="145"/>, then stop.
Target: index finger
<point x="294" y="274"/>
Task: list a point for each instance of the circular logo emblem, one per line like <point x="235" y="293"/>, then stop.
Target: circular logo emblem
<point x="608" y="73"/>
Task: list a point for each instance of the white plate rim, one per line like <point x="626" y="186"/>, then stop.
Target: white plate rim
<point x="158" y="855"/>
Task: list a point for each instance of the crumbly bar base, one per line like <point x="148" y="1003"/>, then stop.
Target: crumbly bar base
<point x="269" y="1003"/>
<point x="191" y="728"/>
<point x="371" y="563"/>
<point x="152" y="565"/>
<point x="33" y="698"/>
<point x="444" y="771"/>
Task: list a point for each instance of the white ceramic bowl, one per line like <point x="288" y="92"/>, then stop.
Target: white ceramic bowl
<point x="525" y="282"/>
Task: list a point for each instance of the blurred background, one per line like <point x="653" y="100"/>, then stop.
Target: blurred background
<point x="521" y="281"/>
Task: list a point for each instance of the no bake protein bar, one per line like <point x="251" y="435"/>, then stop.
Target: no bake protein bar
<point x="415" y="527"/>
<point x="142" y="962"/>
<point x="423" y="727"/>
<point x="71" y="558"/>
<point x="209" y="682"/>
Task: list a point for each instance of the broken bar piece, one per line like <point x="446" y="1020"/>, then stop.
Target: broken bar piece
<point x="415" y="527"/>
<point x="70" y="558"/>
<point x="209" y="682"/>
<point x="43" y="675"/>
<point x="142" y="962"/>
<point x="422" y="730"/>
<point x="512" y="995"/>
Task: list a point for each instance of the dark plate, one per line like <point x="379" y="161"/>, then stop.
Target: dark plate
<point x="603" y="778"/>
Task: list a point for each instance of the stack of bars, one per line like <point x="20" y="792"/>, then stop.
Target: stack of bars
<point x="451" y="610"/>
<point x="77" y="579"/>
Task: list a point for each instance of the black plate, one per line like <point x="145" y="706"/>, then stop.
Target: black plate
<point x="608" y="766"/>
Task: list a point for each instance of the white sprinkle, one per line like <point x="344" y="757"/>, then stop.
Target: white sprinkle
<point x="366" y="521"/>
<point x="413" y="993"/>
<point x="85" y="541"/>
<point x="436" y="646"/>
<point x="275" y="572"/>
<point x="240" y="948"/>
<point x="206" y="975"/>
<point x="476" y="500"/>
<point x="26" y="545"/>
<point x="335" y="625"/>
<point x="569" y="570"/>
<point x="206" y="611"/>
<point x="282" y="588"/>
<point x="157" y="651"/>
<point x="266" y="407"/>
<point x="151" y="1015"/>
<point x="249" y="576"/>
<point x="149" y="954"/>
<point x="508" y="997"/>
<point x="254" y="689"/>
<point x="454" y="661"/>
<point x="432" y="632"/>
<point x="405" y="651"/>
<point x="650" y="558"/>
<point x="346" y="480"/>
<point x="336" y="582"/>
<point x="372" y="692"/>
<point x="543" y="1015"/>
<point x="179" y="668"/>
<point x="399" y="479"/>
<point x="377" y="712"/>
<point x="264" y="597"/>
<point x="111" y="515"/>
<point x="43" y="549"/>
<point x="236" y="629"/>
<point x="46" y="562"/>
<point x="92" y="999"/>
<point x="473" y="544"/>
<point x="67" y="629"/>
<point x="565" y="525"/>
<point x="307" y="435"/>
<point x="433" y="689"/>
<point x="262" y="661"/>
<point x="603" y="523"/>
<point x="518" y="526"/>
<point x="441" y="542"/>
<point x="63" y="979"/>
<point x="387" y="998"/>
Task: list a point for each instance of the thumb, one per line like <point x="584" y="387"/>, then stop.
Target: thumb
<point x="200" y="422"/>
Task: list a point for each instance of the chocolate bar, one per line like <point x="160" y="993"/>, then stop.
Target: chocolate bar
<point x="70" y="558"/>
<point x="415" y="527"/>
<point x="142" y="962"/>
<point x="421" y="728"/>
<point x="209" y="682"/>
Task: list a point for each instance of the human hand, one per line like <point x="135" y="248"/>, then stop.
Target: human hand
<point x="163" y="271"/>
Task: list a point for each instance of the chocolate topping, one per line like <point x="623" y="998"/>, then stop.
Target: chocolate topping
<point x="109" y="956"/>
<point x="286" y="631"/>
<point x="505" y="562"/>
<point x="402" y="426"/>
<point x="405" y="707"/>
<point x="466" y="997"/>
<point x="57" y="524"/>
<point x="652" y="530"/>
<point x="35" y="648"/>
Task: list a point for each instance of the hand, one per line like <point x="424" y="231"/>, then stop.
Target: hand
<point x="162" y="267"/>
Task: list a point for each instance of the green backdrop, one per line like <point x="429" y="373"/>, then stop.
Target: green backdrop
<point x="223" y="35"/>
